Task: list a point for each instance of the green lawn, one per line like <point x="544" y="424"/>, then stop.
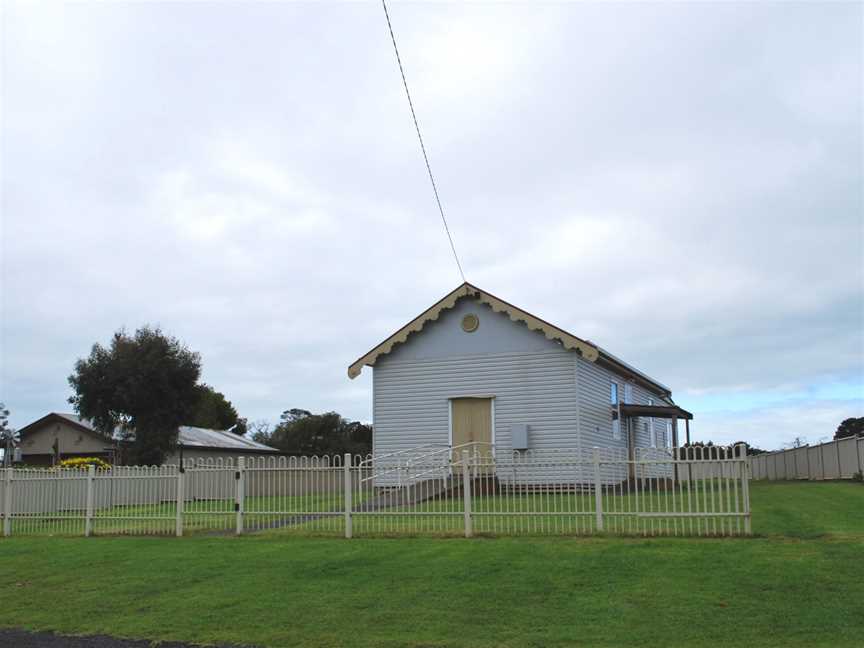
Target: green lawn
<point x="800" y="583"/>
<point x="808" y="509"/>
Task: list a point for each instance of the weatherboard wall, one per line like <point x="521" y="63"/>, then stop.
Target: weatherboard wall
<point x="563" y="398"/>
<point x="531" y="378"/>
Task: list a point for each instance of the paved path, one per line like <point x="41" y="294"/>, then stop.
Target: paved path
<point x="390" y="498"/>
<point x="22" y="639"/>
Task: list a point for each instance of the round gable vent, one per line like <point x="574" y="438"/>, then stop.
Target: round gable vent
<point x="470" y="323"/>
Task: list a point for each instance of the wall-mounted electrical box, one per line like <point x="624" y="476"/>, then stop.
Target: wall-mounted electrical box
<point x="519" y="436"/>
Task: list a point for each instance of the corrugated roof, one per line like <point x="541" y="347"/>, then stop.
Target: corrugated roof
<point x="204" y="438"/>
<point x="630" y="367"/>
<point x="194" y="437"/>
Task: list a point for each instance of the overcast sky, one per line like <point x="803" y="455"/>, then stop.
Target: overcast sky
<point x="680" y="183"/>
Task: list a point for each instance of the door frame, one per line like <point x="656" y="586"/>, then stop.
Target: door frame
<point x="490" y="397"/>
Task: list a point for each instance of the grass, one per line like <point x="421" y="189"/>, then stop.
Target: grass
<point x="808" y="509"/>
<point x="800" y="583"/>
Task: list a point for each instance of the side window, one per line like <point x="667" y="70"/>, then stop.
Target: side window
<point x="649" y="426"/>
<point x="613" y="394"/>
<point x="616" y="413"/>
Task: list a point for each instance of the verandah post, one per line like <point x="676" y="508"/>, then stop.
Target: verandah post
<point x="178" y="523"/>
<point x="7" y="504"/>
<point x="88" y="515"/>
<point x="346" y="472"/>
<point x="466" y="494"/>
<point x="598" y="494"/>
<point x="240" y="477"/>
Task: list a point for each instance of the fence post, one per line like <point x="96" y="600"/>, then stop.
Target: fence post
<point x="180" y="499"/>
<point x="839" y="460"/>
<point x="240" y="477"/>
<point x="745" y="487"/>
<point x="598" y="495"/>
<point x="88" y="515"/>
<point x="466" y="494"/>
<point x="346" y="470"/>
<point x="858" y="442"/>
<point x="7" y="504"/>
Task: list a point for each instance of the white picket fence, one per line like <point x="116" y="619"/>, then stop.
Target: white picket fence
<point x="840" y="459"/>
<point x="440" y="491"/>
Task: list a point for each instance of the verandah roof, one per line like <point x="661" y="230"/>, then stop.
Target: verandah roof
<point x="655" y="411"/>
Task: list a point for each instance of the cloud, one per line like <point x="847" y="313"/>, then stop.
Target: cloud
<point x="679" y="183"/>
<point x="772" y="428"/>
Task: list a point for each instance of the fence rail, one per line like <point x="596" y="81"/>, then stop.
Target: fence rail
<point x="463" y="491"/>
<point x="840" y="459"/>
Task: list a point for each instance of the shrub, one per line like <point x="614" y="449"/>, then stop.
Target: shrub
<point x="83" y="463"/>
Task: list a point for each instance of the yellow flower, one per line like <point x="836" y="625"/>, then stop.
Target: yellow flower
<point x="84" y="462"/>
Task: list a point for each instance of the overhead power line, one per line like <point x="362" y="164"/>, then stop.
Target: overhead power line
<point x="422" y="145"/>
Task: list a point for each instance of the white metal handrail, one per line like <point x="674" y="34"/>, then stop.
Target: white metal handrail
<point x="422" y="461"/>
<point x="372" y="458"/>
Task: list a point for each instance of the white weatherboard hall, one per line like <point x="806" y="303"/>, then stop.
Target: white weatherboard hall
<point x="476" y="369"/>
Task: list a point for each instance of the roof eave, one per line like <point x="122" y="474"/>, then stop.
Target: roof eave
<point x="632" y="372"/>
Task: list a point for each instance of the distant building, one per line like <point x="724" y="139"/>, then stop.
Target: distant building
<point x="58" y="436"/>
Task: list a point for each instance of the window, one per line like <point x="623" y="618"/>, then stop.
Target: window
<point x="628" y="393"/>
<point x="649" y="426"/>
<point x="470" y="323"/>
<point x="667" y="438"/>
<point x="616" y="414"/>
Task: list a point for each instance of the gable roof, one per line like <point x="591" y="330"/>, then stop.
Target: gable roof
<point x="71" y="419"/>
<point x="187" y="436"/>
<point x="585" y="348"/>
<point x="534" y="323"/>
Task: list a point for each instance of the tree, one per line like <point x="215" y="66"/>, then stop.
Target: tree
<point x="850" y="427"/>
<point x="710" y="450"/>
<point x="302" y="433"/>
<point x="141" y="386"/>
<point x="215" y="412"/>
<point x="260" y="431"/>
<point x="8" y="436"/>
